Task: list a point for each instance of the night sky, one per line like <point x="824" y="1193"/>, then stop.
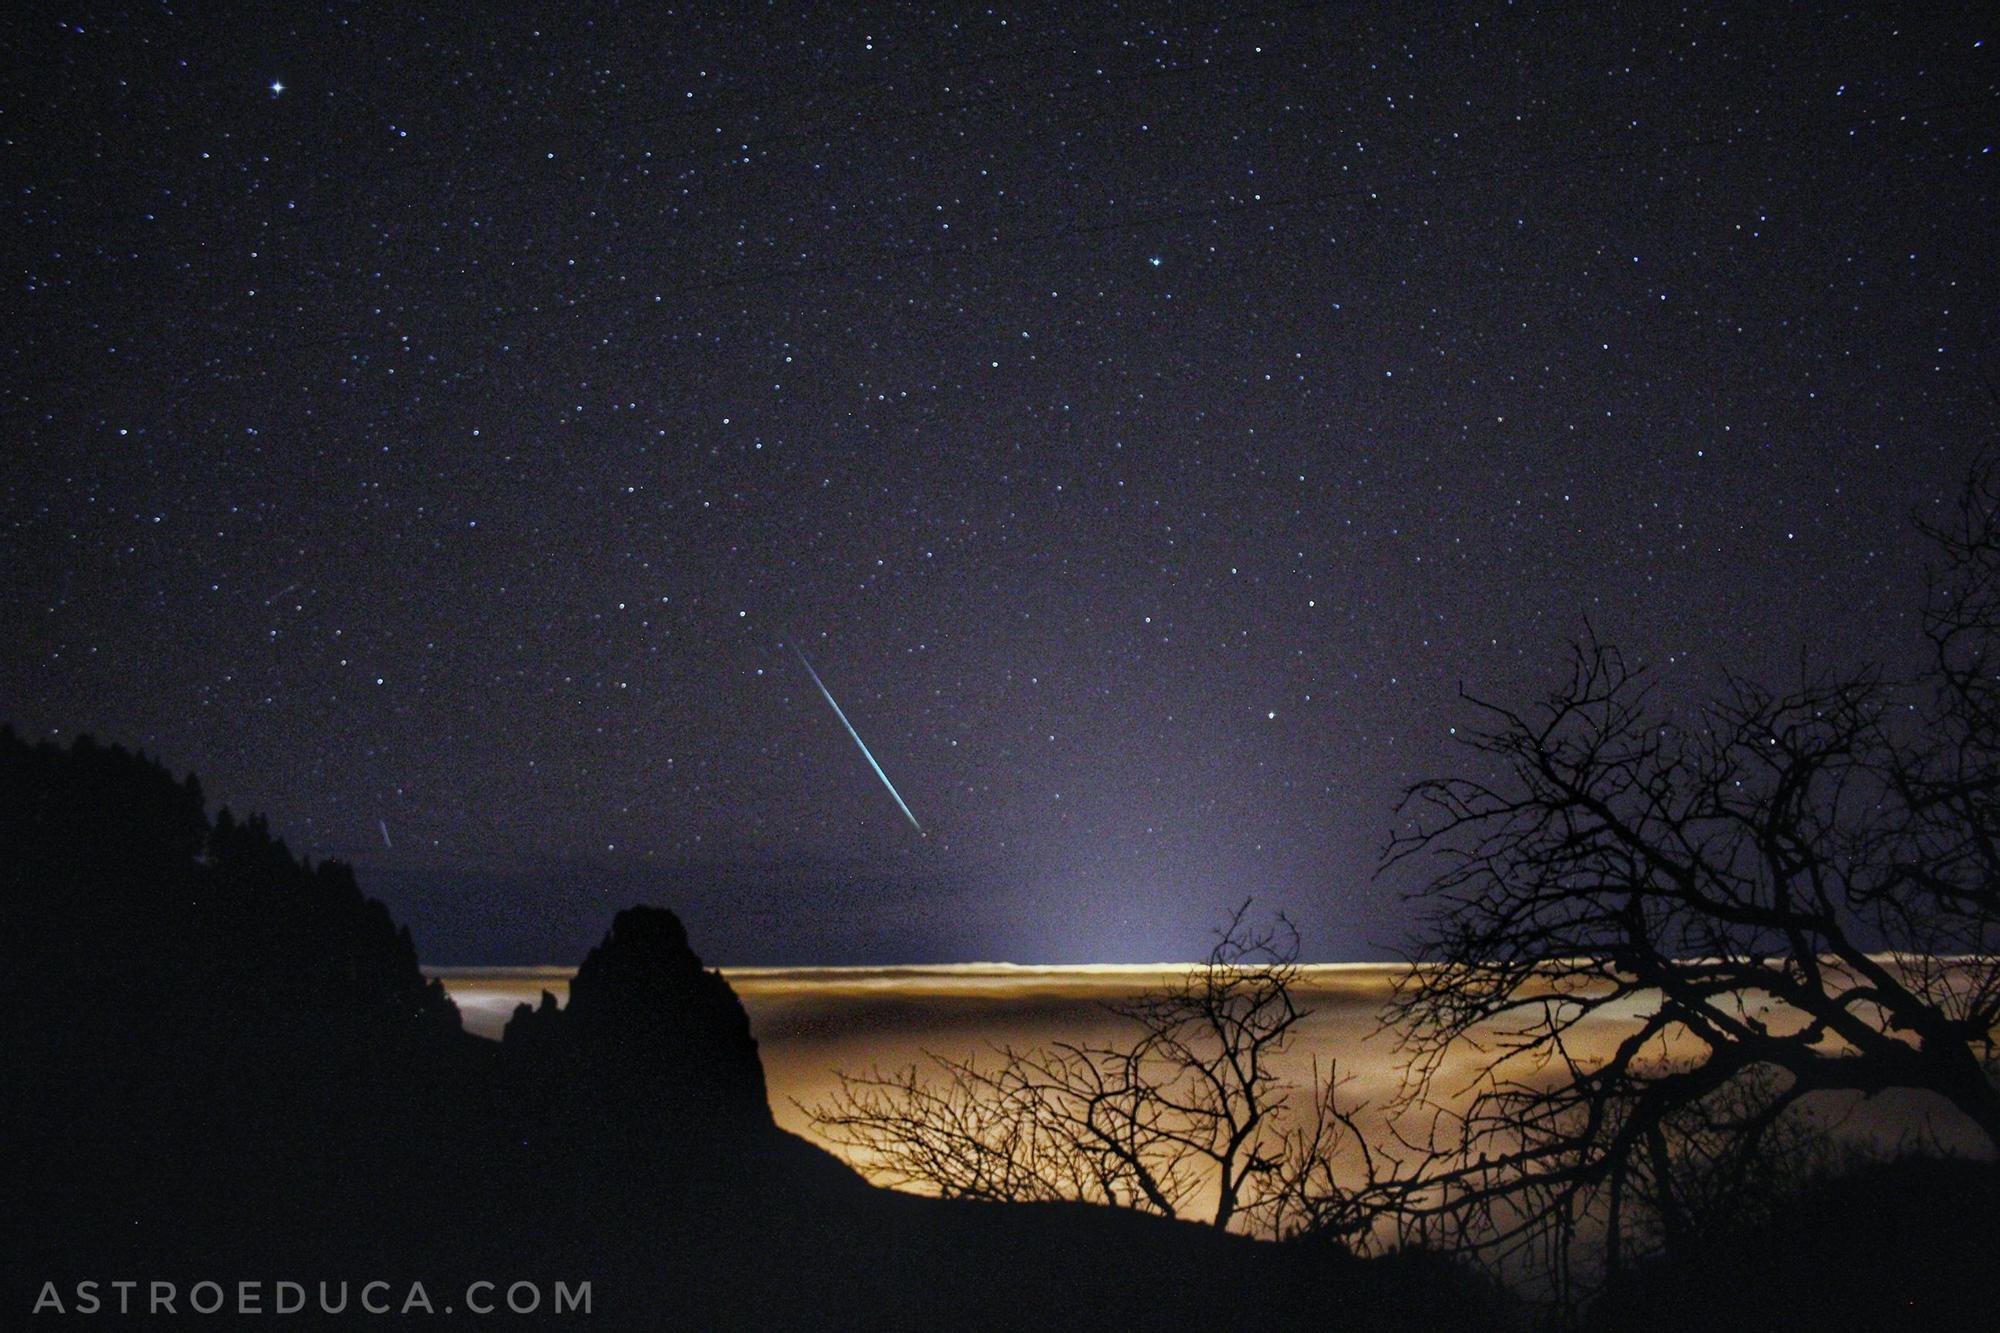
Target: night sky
<point x="440" y="428"/>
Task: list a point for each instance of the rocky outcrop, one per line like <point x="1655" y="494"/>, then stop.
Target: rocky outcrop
<point x="648" y="1029"/>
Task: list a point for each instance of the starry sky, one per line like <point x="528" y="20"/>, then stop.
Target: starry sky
<point x="442" y="426"/>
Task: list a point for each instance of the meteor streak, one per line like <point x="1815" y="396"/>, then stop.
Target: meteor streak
<point x="828" y="695"/>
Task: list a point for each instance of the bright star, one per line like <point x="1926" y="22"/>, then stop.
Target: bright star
<point x="1154" y="261"/>
<point x="276" y="87"/>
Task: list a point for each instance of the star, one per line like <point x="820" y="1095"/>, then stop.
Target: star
<point x="1418" y="330"/>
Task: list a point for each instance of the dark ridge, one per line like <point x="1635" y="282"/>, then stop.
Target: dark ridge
<point x="225" y="1065"/>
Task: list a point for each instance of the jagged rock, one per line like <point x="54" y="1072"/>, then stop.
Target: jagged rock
<point x="534" y="1032"/>
<point x="649" y="1028"/>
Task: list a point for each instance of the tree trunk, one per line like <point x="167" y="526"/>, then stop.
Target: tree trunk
<point x="1225" y="1206"/>
<point x="1673" y="1223"/>
<point x="1971" y="1090"/>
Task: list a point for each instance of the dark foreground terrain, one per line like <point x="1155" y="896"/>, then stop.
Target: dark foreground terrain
<point x="1909" y="1244"/>
<point x="224" y="1065"/>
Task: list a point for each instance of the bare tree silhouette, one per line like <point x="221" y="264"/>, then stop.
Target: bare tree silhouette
<point x="1786" y="895"/>
<point x="1190" y="1107"/>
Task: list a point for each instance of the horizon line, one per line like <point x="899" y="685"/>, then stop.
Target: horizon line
<point x="476" y="971"/>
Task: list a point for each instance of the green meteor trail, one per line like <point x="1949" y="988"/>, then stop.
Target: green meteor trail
<point x="828" y="695"/>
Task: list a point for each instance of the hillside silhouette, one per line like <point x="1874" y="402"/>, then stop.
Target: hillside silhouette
<point x="227" y="1065"/>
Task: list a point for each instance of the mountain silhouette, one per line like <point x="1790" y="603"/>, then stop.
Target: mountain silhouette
<point x="227" y="1066"/>
<point x="648" y="1026"/>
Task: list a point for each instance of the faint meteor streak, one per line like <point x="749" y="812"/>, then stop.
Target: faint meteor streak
<point x="384" y="824"/>
<point x="828" y="695"/>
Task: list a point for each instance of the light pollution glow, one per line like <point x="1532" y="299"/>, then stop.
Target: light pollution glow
<point x="811" y="1022"/>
